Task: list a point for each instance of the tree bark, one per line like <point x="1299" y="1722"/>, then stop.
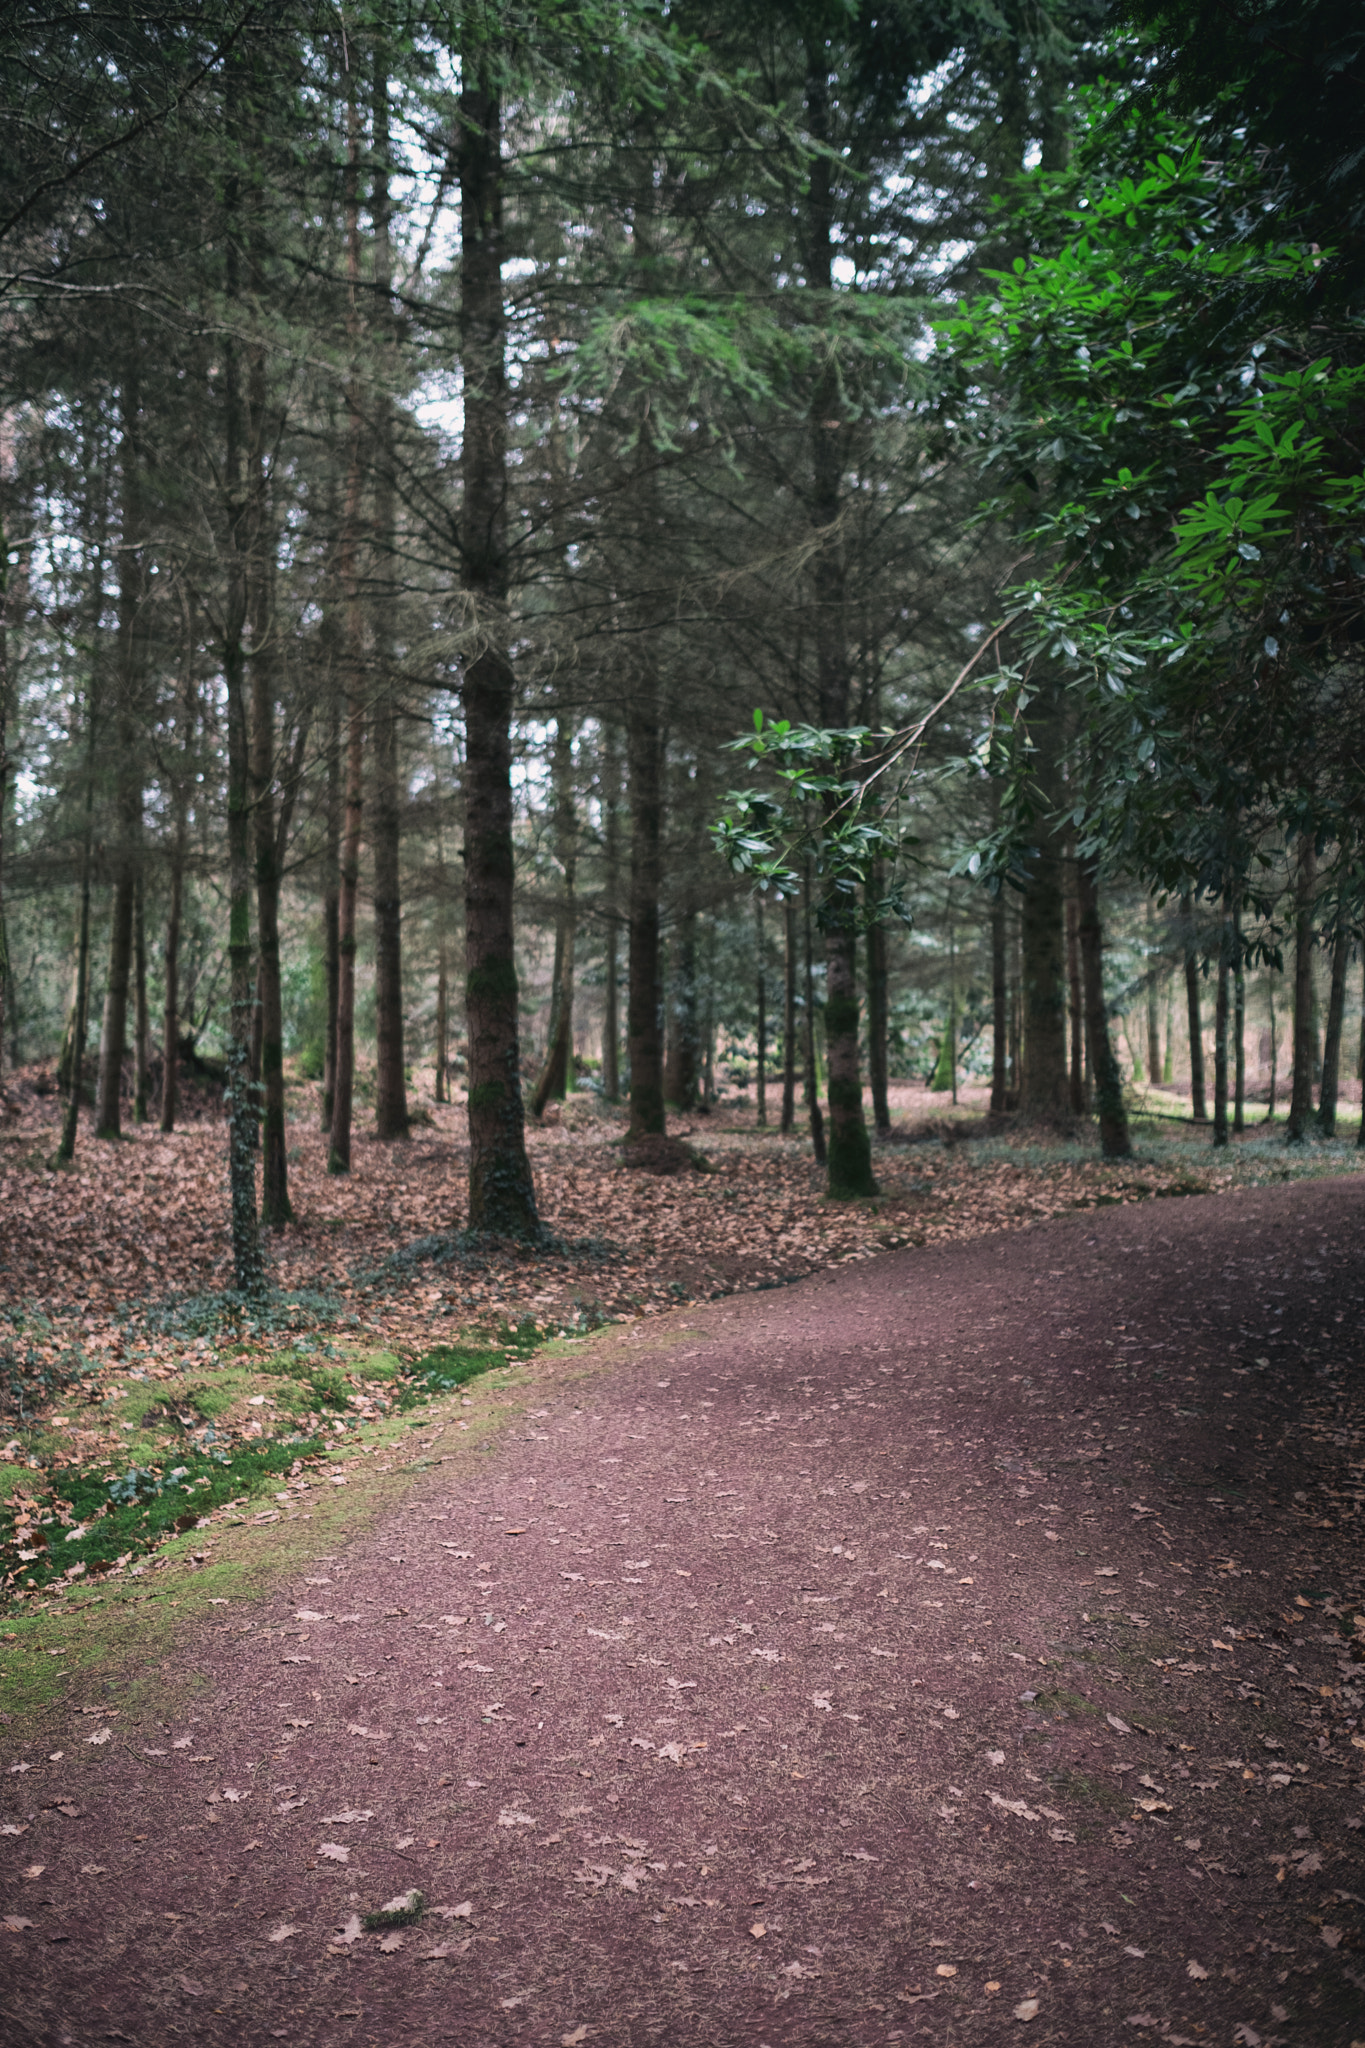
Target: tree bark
<point x="1198" y="1100"/>
<point x="761" y="1008"/>
<point x="170" y="1016"/>
<point x="501" y="1191"/>
<point x="1239" y="1022"/>
<point x="1301" y="1091"/>
<point x="1331" y="1048"/>
<point x="611" y="832"/>
<point x="1153" y="1006"/>
<point x="817" y="1121"/>
<point x="331" y="907"/>
<point x="114" y="1032"/>
<point x="442" y="1047"/>
<point x="788" y="1017"/>
<point x="644" y="1002"/>
<point x="682" y="1068"/>
<point x="1073" y="969"/>
<point x="878" y="1024"/>
<point x="353" y="642"/>
<point x="999" y="1007"/>
<point x="1045" y="1094"/>
<point x="1274" y="1045"/>
<point x="556" y="1074"/>
<point x="1220" y="1027"/>
<point x="391" y="1098"/>
<point x="4" y="776"/>
<point x="1104" y="1067"/>
<point x="141" y="1028"/>
<point x="276" y="1211"/>
<point x="80" y="1007"/>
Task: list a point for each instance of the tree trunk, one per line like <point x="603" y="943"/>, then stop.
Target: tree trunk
<point x="331" y="909"/>
<point x="878" y="1025"/>
<point x="353" y="639"/>
<point x="391" y="1096"/>
<point x="999" y="1008"/>
<point x="275" y="1206"/>
<point x="1153" y="1005"/>
<point x="442" y="1048"/>
<point x="1239" y="1022"/>
<point x="1274" y="1045"/>
<point x="1104" y="1067"/>
<point x="1198" y="1100"/>
<point x="849" y="1148"/>
<point x="1014" y="1094"/>
<point x="1220" y="1027"/>
<point x="1331" y="1049"/>
<point x="557" y="1073"/>
<point x="1073" y="969"/>
<point x="611" y="1020"/>
<point x="170" y="1016"/>
<point x="761" y="1006"/>
<point x="141" y="1029"/>
<point x="788" y="1017"/>
<point x="501" y="1191"/>
<point x="1301" y="1091"/>
<point x="682" y="1067"/>
<point x="817" y="1121"/>
<point x="4" y="779"/>
<point x="1045" y="1096"/>
<point x="644" y="1003"/>
<point x="114" y="1033"/>
<point x="80" y="1008"/>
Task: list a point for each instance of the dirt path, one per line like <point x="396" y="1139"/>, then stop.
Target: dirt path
<point x="951" y="1649"/>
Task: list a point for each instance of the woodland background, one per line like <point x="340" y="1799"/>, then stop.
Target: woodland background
<point x="428" y="436"/>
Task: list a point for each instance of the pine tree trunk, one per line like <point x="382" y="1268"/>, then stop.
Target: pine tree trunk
<point x="1301" y="1090"/>
<point x="611" y="1019"/>
<point x="999" y="1008"/>
<point x="761" y="1009"/>
<point x="276" y="1211"/>
<point x="170" y="1016"/>
<point x="878" y="1025"/>
<point x="1073" y="969"/>
<point x="442" y="1047"/>
<point x="1274" y="1046"/>
<point x="1331" y="1049"/>
<point x="556" y="1075"/>
<point x="331" y="911"/>
<point x="501" y="1191"/>
<point x="391" y="1096"/>
<point x="4" y="781"/>
<point x="1198" y="1099"/>
<point x="812" y="1079"/>
<point x="141" y="1028"/>
<point x="1153" y="1006"/>
<point x="114" y="1032"/>
<point x="80" y="1006"/>
<point x="1220" y="1028"/>
<point x="682" y="1066"/>
<point x="1045" y="1095"/>
<point x="1104" y="1067"/>
<point x="1239" y="1022"/>
<point x="788" y="1017"/>
<point x="644" y="1002"/>
<point x="353" y="637"/>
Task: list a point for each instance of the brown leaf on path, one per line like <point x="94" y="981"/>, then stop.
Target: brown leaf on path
<point x="1195" y="1970"/>
<point x="444" y="1951"/>
<point x="758" y="1930"/>
<point x="93" y="1869"/>
<point x="349" y="1933"/>
<point x="1332" y="1936"/>
<point x="1026" y="2009"/>
<point x="281" y="1933"/>
<point x="464" y="1911"/>
<point x="35" y="1870"/>
<point x="337" y="1852"/>
<point x="391" y="1941"/>
<point x="946" y="1970"/>
<point x="15" y="1923"/>
<point x="572" y="2040"/>
<point x="192" y="1987"/>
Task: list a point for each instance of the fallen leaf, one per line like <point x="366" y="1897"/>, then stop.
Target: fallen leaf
<point x="572" y="2040"/>
<point x="1331" y="1935"/>
<point x="15" y="1923"/>
<point x="461" y="1912"/>
<point x="336" y="1852"/>
<point x="350" y="1932"/>
<point x="281" y="1933"/>
<point x="100" y="1735"/>
<point x="348" y="1813"/>
<point x="94" y="1869"/>
<point x="192" y="1986"/>
<point x="1104" y="1571"/>
<point x="1026" y="2009"/>
<point x="1121" y="1726"/>
<point x="946" y="1970"/>
<point x="1246" y="2037"/>
<point x="35" y="1870"/>
<point x="391" y="1941"/>
<point x="758" y="1930"/>
<point x="1131" y="1951"/>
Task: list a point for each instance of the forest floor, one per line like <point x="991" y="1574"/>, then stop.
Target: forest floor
<point x="983" y="1655"/>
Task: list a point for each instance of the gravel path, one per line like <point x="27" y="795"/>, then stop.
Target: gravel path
<point x="951" y="1649"/>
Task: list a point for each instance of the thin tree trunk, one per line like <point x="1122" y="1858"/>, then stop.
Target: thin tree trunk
<point x="1274" y="1045"/>
<point x="556" y="1075"/>
<point x="276" y="1211"/>
<point x="248" y="1272"/>
<point x="442" y="1024"/>
<point x="1360" y="1134"/>
<point x="339" y="1141"/>
<point x="4" y="778"/>
<point x="80" y="1008"/>
<point x="611" y="1020"/>
<point x="878" y="1025"/>
<point x="1014" y="1094"/>
<point x="1220" y="1027"/>
<point x="501" y="1191"/>
<point x="1073" y="969"/>
<point x="644" y="999"/>
<point x="114" y="1031"/>
<point x="331" y="910"/>
<point x="761" y="1004"/>
<point x="141" y="1029"/>
<point x="682" y="1066"/>
<point x="1331" y="1049"/>
<point x="999" y="1008"/>
<point x="788" y="1017"/>
<point x="1045" y="1096"/>
<point x="1153" y="1004"/>
<point x="1301" y="1090"/>
<point x="817" y="1121"/>
<point x="1113" y="1115"/>
<point x="1198" y="1099"/>
<point x="1239" y="1022"/>
<point x="391" y="1098"/>
<point x="170" y="1016"/>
